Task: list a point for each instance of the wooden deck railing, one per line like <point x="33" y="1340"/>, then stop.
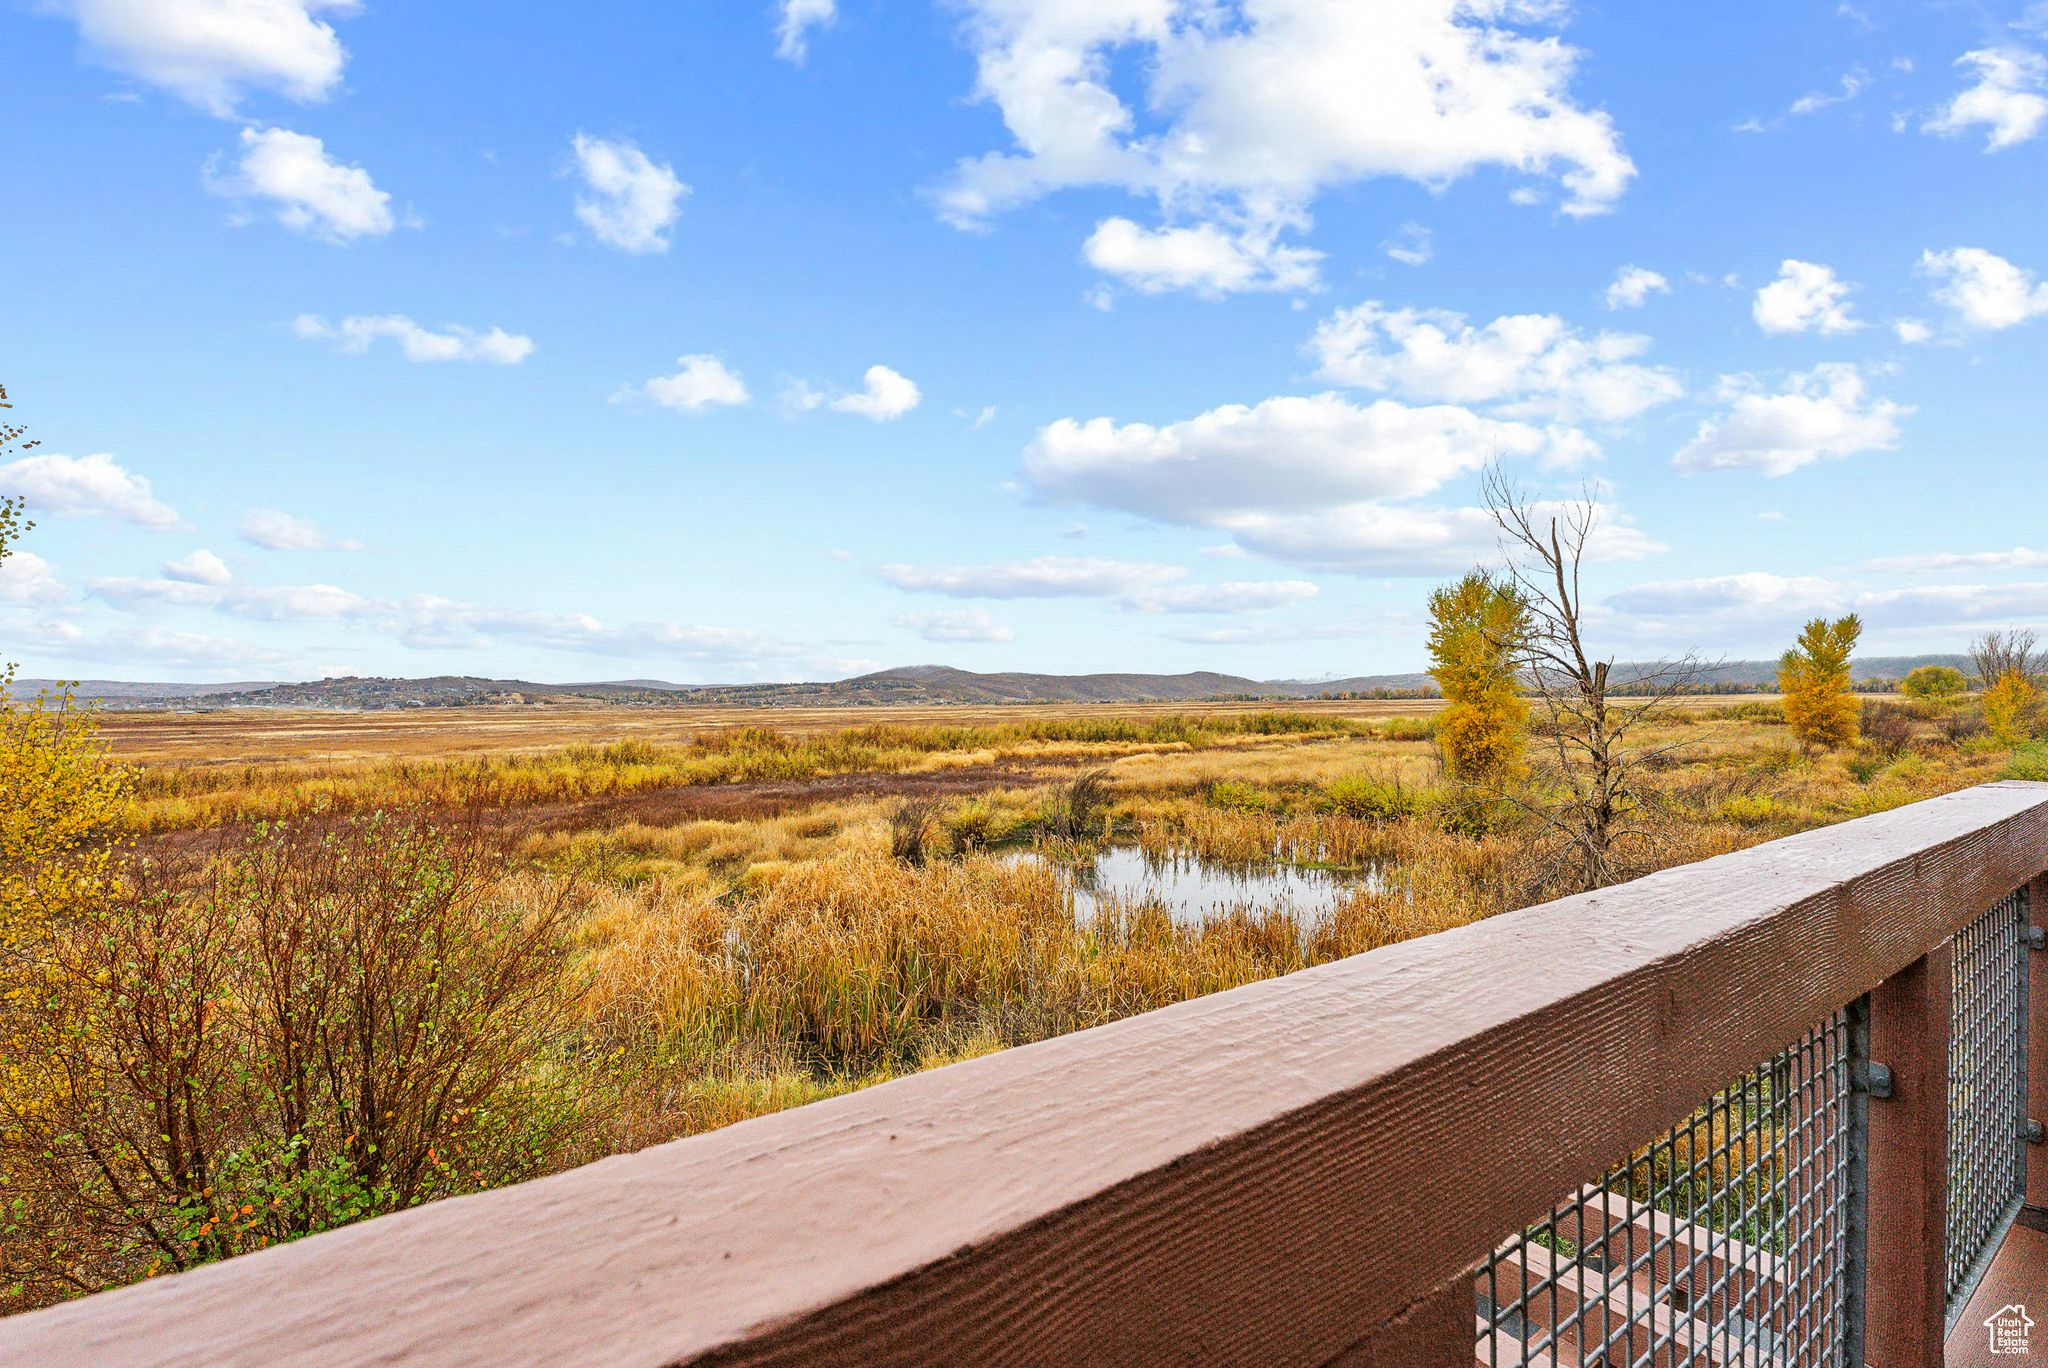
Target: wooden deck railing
<point x="1305" y="1170"/>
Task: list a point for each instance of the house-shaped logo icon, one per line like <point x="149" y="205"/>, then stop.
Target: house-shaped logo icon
<point x="2009" y="1326"/>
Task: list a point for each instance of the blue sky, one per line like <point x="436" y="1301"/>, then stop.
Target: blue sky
<point x="726" y="341"/>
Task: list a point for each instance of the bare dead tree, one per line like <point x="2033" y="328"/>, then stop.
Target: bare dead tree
<point x="1591" y="790"/>
<point x="1998" y="654"/>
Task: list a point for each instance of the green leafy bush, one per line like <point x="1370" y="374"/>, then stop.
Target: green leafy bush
<point x="1750" y="810"/>
<point x="1406" y="728"/>
<point x="1239" y="796"/>
<point x="975" y="825"/>
<point x="1756" y="710"/>
<point x="2028" y="762"/>
<point x="1934" y="682"/>
<point x="1373" y="797"/>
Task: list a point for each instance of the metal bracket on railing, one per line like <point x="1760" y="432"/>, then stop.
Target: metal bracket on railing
<point x="2037" y="937"/>
<point x="1878" y="1080"/>
<point x="2032" y="1131"/>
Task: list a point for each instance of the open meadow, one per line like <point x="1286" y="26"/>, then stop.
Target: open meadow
<point x="773" y="905"/>
<point x="340" y="964"/>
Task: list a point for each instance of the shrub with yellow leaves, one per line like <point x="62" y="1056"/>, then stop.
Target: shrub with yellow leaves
<point x="1476" y="630"/>
<point x="1820" y="707"/>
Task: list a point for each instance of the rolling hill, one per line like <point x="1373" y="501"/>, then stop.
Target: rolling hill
<point x="905" y="686"/>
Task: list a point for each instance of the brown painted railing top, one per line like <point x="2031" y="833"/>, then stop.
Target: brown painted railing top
<point x="1290" y="1172"/>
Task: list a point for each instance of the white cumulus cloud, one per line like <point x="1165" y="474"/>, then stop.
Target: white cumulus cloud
<point x="1041" y="577"/>
<point x="701" y="382"/>
<point x="293" y="602"/>
<point x="1411" y="245"/>
<point x="1740" y="594"/>
<point x="125" y="646"/>
<point x="1143" y="586"/>
<point x="261" y="603"/>
<point x="1760" y="607"/>
<point x="2007" y="98"/>
<point x="422" y="621"/>
<point x="1633" y="286"/>
<point x="1806" y="297"/>
<point x="1982" y="289"/>
<point x="1955" y="607"/>
<point x="1231" y="596"/>
<point x="1250" y="115"/>
<point x="956" y="625"/>
<point x="357" y="332"/>
<point x="1383" y="539"/>
<point x="201" y="567"/>
<point x="632" y="200"/>
<point x="1751" y="610"/>
<point x="1207" y="259"/>
<point x="93" y="486"/>
<point x="308" y="192"/>
<point x="211" y="52"/>
<point x="1535" y="365"/>
<point x="2019" y="558"/>
<point x="1853" y="83"/>
<point x="887" y="395"/>
<point x="430" y="622"/>
<point x="1825" y="413"/>
<point x="793" y="24"/>
<point x="1318" y="481"/>
<point x="1289" y="453"/>
<point x="26" y="578"/>
<point x="273" y="529"/>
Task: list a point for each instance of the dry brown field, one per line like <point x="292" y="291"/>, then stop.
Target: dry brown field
<point x="242" y="736"/>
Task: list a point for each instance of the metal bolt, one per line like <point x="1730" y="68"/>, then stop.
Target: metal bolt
<point x="2037" y="937"/>
<point x="1880" y="1084"/>
<point x="2032" y="1131"/>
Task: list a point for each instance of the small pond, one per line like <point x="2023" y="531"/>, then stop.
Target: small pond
<point x="1194" y="891"/>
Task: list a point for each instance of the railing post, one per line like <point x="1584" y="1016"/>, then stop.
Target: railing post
<point x="2035" y="1096"/>
<point x="1855" y="1235"/>
<point x="1906" y="1289"/>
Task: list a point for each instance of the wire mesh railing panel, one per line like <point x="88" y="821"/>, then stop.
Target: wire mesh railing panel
<point x="1723" y="1241"/>
<point x="1986" y="1070"/>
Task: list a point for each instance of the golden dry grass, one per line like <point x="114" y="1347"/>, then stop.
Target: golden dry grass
<point x="745" y="958"/>
<point x="251" y="736"/>
<point x="747" y="913"/>
<point x="174" y="794"/>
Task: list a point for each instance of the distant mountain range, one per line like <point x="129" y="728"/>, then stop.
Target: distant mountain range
<point x="361" y="694"/>
<point x="906" y="686"/>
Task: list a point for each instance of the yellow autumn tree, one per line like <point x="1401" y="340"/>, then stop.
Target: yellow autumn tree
<point x="2009" y="705"/>
<point x="60" y="800"/>
<point x="2009" y="668"/>
<point x="1814" y="677"/>
<point x="59" y="796"/>
<point x="1477" y="628"/>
